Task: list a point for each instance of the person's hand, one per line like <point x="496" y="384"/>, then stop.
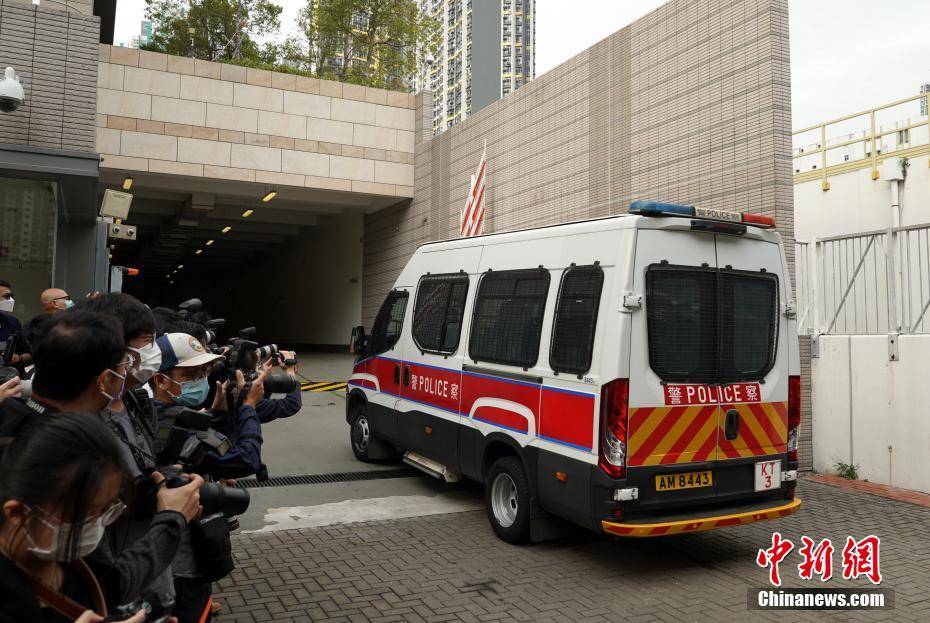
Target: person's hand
<point x="292" y="370"/>
<point x="15" y="359"/>
<point x="91" y="617"/>
<point x="256" y="391"/>
<point x="185" y="500"/>
<point x="219" y="398"/>
<point x="228" y="482"/>
<point x="268" y="365"/>
<point x="11" y="389"/>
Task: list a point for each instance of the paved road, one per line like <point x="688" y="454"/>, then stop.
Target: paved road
<point x="412" y="549"/>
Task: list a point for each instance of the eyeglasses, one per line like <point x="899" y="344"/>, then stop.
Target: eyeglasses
<point x="127" y="363"/>
<point x="110" y="514"/>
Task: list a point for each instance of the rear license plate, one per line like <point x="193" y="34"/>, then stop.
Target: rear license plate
<point x="768" y="475"/>
<point x="685" y="480"/>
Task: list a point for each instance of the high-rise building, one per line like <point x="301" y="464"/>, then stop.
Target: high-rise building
<point x="924" y="88"/>
<point x="486" y="50"/>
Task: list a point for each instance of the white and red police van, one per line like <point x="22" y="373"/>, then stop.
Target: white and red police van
<point x="637" y="375"/>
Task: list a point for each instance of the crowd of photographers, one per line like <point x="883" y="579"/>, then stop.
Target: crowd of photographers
<point x="121" y="431"/>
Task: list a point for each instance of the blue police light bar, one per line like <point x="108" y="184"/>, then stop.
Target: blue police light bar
<point x="657" y="208"/>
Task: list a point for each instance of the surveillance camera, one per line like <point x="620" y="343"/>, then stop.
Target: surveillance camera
<point x="12" y="95"/>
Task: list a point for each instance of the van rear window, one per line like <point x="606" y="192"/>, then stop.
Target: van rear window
<point x="576" y="319"/>
<point x="710" y="326"/>
<point x="508" y="314"/>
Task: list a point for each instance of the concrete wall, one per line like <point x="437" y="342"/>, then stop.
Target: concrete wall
<point x="857" y="203"/>
<point x="180" y="116"/>
<point x="872" y="412"/>
<point x="54" y="52"/>
<point x="691" y="104"/>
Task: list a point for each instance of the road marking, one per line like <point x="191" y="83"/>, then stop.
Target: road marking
<point x="324" y="386"/>
<point x="371" y="509"/>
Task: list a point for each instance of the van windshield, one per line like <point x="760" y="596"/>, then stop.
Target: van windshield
<point x="710" y="326"/>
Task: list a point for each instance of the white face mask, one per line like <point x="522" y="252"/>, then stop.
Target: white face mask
<point x="150" y="361"/>
<point x="7" y="304"/>
<point x="92" y="532"/>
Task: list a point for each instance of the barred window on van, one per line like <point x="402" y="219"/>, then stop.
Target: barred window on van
<point x="508" y="315"/>
<point x="437" y="317"/>
<point x="681" y="319"/>
<point x="389" y="322"/>
<point x="576" y="319"/>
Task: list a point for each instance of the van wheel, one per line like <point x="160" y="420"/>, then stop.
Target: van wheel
<point x="360" y="434"/>
<point x="507" y="498"/>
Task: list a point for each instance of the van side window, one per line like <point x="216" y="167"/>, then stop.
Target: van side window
<point x="389" y="322"/>
<point x="437" y="317"/>
<point x="576" y="319"/>
<point x="508" y="316"/>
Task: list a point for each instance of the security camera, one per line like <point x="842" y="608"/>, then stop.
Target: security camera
<point x="12" y="95"/>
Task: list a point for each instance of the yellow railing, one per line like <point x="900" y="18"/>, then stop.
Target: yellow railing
<point x="871" y="138"/>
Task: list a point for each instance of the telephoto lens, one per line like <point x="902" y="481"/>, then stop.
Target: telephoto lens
<point x="280" y="383"/>
<point x="264" y="352"/>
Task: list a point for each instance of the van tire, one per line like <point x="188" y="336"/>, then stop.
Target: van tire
<point x="507" y="500"/>
<point x="360" y="434"/>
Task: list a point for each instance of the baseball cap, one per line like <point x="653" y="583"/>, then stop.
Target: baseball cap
<point x="180" y="350"/>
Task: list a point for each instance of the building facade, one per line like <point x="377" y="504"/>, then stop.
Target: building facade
<point x="486" y="50"/>
<point x="49" y="232"/>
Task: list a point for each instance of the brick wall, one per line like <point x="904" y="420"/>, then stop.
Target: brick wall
<point x="54" y="52"/>
<point x="689" y="104"/>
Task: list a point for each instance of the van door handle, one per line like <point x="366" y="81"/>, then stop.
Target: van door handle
<point x="406" y="376"/>
<point x="396" y="375"/>
<point x="731" y="424"/>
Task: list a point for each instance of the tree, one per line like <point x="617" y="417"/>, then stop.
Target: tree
<point x="215" y="30"/>
<point x="371" y="42"/>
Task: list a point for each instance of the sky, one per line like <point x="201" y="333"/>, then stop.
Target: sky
<point x="846" y="55"/>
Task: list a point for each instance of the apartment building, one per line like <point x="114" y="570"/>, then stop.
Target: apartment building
<point x="486" y="50"/>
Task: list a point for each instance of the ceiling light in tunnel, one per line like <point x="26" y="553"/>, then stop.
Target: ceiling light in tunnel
<point x="180" y="266"/>
<point x="226" y="229"/>
<point x="127" y="183"/>
<point x="247" y="213"/>
<point x="209" y="242"/>
<point x="271" y="194"/>
<point x="198" y="251"/>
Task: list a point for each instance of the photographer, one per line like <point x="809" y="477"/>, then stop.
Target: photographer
<point x="183" y="381"/>
<point x="16" y="350"/>
<point x="82" y="366"/>
<point x="133" y="419"/>
<point x="60" y="486"/>
<point x="270" y="409"/>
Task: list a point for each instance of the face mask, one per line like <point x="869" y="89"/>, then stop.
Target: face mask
<point x="193" y="393"/>
<point x="91" y="535"/>
<point x="150" y="361"/>
<point x="7" y="304"/>
<point x="69" y="304"/>
<point x="122" y="386"/>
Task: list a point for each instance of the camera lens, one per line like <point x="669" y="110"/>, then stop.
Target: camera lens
<point x="278" y="383"/>
<point x="227" y="500"/>
<point x="264" y="352"/>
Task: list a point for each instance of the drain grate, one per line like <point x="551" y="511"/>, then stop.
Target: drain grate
<point x="320" y="479"/>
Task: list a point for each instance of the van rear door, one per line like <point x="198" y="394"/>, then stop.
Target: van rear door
<point x="754" y="356"/>
<point x="673" y="416"/>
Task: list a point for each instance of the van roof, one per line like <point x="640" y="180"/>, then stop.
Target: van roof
<point x="616" y="221"/>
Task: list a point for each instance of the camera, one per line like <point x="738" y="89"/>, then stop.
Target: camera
<point x="12" y="94"/>
<point x="184" y="436"/>
<point x="215" y="498"/>
<point x="189" y="307"/>
<point x="264" y="352"/>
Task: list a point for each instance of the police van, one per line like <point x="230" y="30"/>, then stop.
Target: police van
<point x="637" y="375"/>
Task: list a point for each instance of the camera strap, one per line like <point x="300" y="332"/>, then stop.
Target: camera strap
<point x="62" y="604"/>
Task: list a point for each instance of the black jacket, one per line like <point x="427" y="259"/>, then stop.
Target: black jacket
<point x="18" y="604"/>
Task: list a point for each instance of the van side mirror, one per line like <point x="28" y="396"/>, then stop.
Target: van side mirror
<point x="358" y="342"/>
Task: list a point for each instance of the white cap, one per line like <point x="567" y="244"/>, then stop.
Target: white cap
<point x="180" y="350"/>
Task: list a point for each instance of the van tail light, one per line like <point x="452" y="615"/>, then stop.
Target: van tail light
<point x="614" y="401"/>
<point x="794" y="416"/>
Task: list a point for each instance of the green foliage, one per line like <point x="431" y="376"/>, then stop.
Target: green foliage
<point x="382" y="40"/>
<point x="215" y="30"/>
<point x="846" y="470"/>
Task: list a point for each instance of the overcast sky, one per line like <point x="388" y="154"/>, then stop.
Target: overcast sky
<point x="846" y="55"/>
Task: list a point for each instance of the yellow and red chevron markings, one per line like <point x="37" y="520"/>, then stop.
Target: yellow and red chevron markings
<point x="673" y="435"/>
<point x="763" y="430"/>
<point x="699" y="525"/>
<point x="669" y="435"/>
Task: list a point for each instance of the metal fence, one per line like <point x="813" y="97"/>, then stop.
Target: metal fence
<point x="869" y="283"/>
